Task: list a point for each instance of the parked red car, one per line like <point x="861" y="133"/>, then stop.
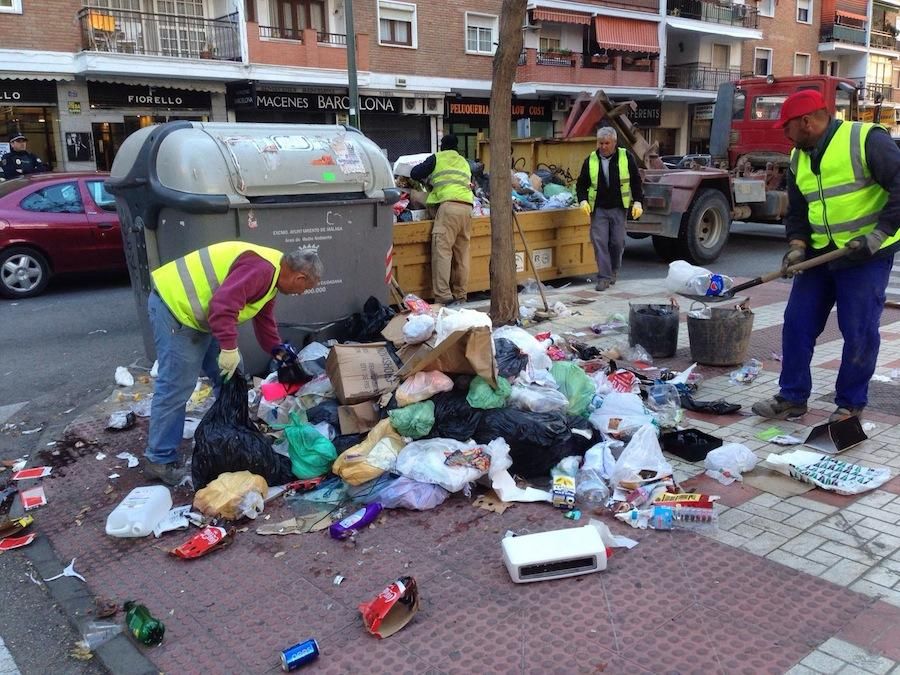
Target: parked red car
<point x="53" y="223"/>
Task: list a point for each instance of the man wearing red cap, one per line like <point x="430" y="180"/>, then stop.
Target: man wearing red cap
<point x="843" y="192"/>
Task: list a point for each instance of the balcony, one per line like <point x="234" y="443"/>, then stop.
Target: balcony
<point x="845" y="34"/>
<point x="883" y="40"/>
<point x="633" y="5"/>
<point x="129" y="32"/>
<point x="722" y="12"/>
<point x="873" y="92"/>
<point x="699" y="76"/>
<point x="584" y="69"/>
<point x="309" y="47"/>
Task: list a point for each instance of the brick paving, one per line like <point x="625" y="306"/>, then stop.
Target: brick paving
<point x="799" y="583"/>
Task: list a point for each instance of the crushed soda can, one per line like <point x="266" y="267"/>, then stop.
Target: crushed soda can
<point x="122" y="419"/>
<point x="391" y="609"/>
<point x="208" y="539"/>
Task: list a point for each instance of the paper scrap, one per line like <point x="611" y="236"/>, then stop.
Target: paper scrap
<point x="31" y="431"/>
<point x="179" y="518"/>
<point x="10" y="543"/>
<point x="609" y="539"/>
<point x="33" y="497"/>
<point x="132" y="460"/>
<point x="100" y="456"/>
<point x="491" y="502"/>
<point x="769" y="434"/>
<point x="32" y="473"/>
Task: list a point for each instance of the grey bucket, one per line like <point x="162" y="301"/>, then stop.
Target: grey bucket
<point x="723" y="339"/>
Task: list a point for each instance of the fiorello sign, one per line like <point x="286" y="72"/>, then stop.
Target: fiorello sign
<point x="109" y="95"/>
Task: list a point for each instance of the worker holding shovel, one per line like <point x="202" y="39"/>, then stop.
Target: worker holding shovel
<point x="844" y="193"/>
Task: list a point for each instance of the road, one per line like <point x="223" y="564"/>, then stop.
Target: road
<point x="59" y="353"/>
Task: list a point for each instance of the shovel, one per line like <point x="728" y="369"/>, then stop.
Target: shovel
<point x="831" y="256"/>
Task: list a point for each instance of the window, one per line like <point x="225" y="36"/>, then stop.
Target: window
<point x="481" y="30"/>
<point x="738" y="105"/>
<point x="804" y="11"/>
<point x="549" y="44"/>
<point x="721" y="56"/>
<point x="762" y="61"/>
<point x="767" y="7"/>
<point x="11" y="6"/>
<point x="801" y="64"/>
<point x="293" y="16"/>
<point x="59" y="198"/>
<point x="828" y="68"/>
<point x="100" y="196"/>
<point x="397" y="24"/>
<point x="767" y="107"/>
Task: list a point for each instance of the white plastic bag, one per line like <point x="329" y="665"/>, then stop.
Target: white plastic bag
<point x="829" y="473"/>
<point x="591" y="482"/>
<point x="123" y="377"/>
<point x="418" y="328"/>
<point x="451" y="320"/>
<point x="406" y="493"/>
<point x="421" y="386"/>
<point x="537" y="399"/>
<point x="425" y="461"/>
<point x="538" y="360"/>
<point x="728" y="462"/>
<point x="665" y="402"/>
<point x="680" y="274"/>
<point x="620" y="415"/>
<point x="641" y="454"/>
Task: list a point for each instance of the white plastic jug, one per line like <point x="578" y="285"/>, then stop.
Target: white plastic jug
<point x="139" y="512"/>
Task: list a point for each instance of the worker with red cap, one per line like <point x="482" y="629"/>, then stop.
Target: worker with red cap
<point x="843" y="192"/>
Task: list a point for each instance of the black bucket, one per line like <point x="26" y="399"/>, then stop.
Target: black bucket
<point x="723" y="339"/>
<point x="654" y="327"/>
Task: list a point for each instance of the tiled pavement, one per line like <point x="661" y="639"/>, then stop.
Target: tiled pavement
<point x="791" y="582"/>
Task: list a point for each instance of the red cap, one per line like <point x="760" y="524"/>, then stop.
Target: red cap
<point x="798" y="104"/>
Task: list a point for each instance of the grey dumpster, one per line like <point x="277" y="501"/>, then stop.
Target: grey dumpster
<point x="184" y="185"/>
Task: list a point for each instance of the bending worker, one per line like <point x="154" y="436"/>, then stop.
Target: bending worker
<point x="843" y="192"/>
<point x="451" y="178"/>
<point x="609" y="185"/>
<point x="195" y="307"/>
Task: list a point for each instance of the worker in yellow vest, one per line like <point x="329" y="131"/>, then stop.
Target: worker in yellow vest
<point x="843" y="192"/>
<point x="451" y="181"/>
<point x="608" y="187"/>
<point x="195" y="307"/>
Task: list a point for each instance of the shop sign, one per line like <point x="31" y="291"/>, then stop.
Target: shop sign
<point x="21" y="92"/>
<point x="704" y="111"/>
<point x="247" y="96"/>
<point x="104" y="95"/>
<point x="477" y="111"/>
<point x="648" y="114"/>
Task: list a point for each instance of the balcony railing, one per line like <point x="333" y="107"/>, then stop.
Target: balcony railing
<point x="744" y="16"/>
<point x="882" y="40"/>
<point x="633" y="5"/>
<point x="874" y="92"/>
<point x="279" y="33"/>
<point x="555" y="59"/>
<point x="699" y="76"/>
<point x="130" y="32"/>
<point x="331" y="38"/>
<point x="846" y="34"/>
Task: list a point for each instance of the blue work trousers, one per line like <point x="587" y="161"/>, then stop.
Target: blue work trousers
<point x="858" y="291"/>
<point x="182" y="353"/>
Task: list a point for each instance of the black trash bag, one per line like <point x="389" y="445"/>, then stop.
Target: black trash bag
<point x="347" y="441"/>
<point x="510" y="359"/>
<point x="367" y="326"/>
<point x="537" y="441"/>
<point x="326" y="411"/>
<point x="226" y="440"/>
<point x="454" y="417"/>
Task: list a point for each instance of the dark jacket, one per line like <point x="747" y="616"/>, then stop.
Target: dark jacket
<point x="883" y="158"/>
<point x="21" y="163"/>
<point x="609" y="197"/>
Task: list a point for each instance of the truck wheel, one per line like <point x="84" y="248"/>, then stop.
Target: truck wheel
<point x="704" y="230"/>
<point x="667" y="248"/>
<point x="24" y="273"/>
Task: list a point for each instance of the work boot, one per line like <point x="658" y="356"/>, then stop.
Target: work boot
<point x="615" y="275"/>
<point x="443" y="301"/>
<point x="778" y="408"/>
<point x="170" y="474"/>
<point x="842" y="413"/>
<point x="602" y="285"/>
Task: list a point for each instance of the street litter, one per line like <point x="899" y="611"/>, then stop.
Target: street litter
<point x="747" y="373"/>
<point x="140" y="512"/>
<point x="299" y="655"/>
<point x="123" y="377"/>
<point x="9" y="528"/>
<point x="69" y="571"/>
<point x="727" y="463"/>
<point x="122" y="419"/>
<point x="232" y="495"/>
<point x="10" y="543"/>
<point x="392" y="609"/>
<point x="32" y="473"/>
<point x="28" y="432"/>
<point x="356" y="521"/>
<point x="142" y="625"/>
<point x="32" y="498"/>
<point x="210" y="538"/>
<point x="827" y="472"/>
<point x="132" y="460"/>
<point x="100" y="456"/>
<point x="98" y="633"/>
<point x="179" y="518"/>
<point x="881" y="378"/>
<point x="338" y="580"/>
<point x="113" y="476"/>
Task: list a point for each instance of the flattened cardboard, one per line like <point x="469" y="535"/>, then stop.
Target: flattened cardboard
<point x="360" y="372"/>
<point x="391" y="609"/>
<point x="465" y="352"/>
<point x="393" y="332"/>
<point x="835" y="437"/>
<point x="359" y="418"/>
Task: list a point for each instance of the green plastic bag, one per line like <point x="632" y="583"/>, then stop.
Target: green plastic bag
<point x="552" y="189"/>
<point x="575" y="384"/>
<point x="483" y="395"/>
<point x="415" y="420"/>
<point x="311" y="453"/>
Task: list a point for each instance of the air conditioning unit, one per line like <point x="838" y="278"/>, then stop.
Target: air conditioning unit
<point x="562" y="105"/>
<point x="412" y="106"/>
<point x="400" y="82"/>
<point x="432" y="104"/>
<point x="531" y="26"/>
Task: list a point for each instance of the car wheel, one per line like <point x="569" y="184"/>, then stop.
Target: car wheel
<point x="24" y="273"/>
<point x="704" y="230"/>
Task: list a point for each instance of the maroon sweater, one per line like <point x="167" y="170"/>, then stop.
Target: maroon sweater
<point x="247" y="281"/>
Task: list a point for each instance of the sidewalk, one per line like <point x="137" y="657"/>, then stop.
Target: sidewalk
<point x="791" y="582"/>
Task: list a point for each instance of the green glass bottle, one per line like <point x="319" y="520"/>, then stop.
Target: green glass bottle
<point x="142" y="624"/>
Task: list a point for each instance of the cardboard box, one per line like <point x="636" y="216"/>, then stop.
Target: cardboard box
<point x="359" y="418"/>
<point x="465" y="352"/>
<point x="360" y="372"/>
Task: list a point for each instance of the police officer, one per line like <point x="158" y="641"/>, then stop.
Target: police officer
<point x="18" y="161"/>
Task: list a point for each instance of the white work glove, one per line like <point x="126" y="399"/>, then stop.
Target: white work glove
<point x="586" y="208"/>
<point x="637" y="210"/>
<point x="229" y="360"/>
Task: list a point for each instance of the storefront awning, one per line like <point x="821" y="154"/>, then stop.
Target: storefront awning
<point x="627" y="35"/>
<point x="43" y="77"/>
<point x="188" y="85"/>
<point x="850" y="15"/>
<point x="555" y="16"/>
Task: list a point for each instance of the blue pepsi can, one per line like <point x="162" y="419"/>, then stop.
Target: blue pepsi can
<point x="299" y="655"/>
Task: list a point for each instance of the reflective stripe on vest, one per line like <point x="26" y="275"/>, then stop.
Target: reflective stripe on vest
<point x="843" y="200"/>
<point x="450" y="179"/>
<point x="187" y="284"/>
<point x="624" y="178"/>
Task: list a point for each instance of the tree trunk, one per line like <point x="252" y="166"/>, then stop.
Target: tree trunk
<point x="504" y="294"/>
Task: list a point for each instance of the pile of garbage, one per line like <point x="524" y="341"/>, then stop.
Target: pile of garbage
<point x="540" y="190"/>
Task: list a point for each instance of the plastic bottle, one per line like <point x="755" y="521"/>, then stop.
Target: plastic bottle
<point x="139" y="512"/>
<point x="709" y="284"/>
<point x="683" y="518"/>
<point x="100" y="632"/>
<point x="145" y="628"/>
<point x="355" y="521"/>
